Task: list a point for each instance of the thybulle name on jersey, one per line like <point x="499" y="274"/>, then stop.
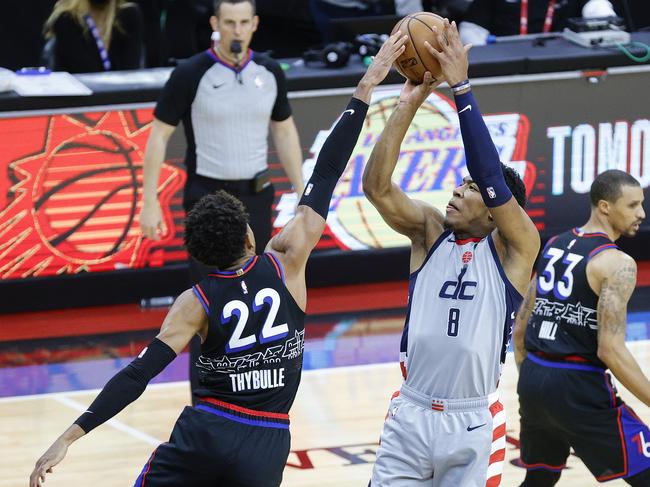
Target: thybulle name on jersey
<point x="257" y="379"/>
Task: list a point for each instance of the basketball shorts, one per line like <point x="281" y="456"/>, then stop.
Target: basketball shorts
<point x="210" y="445"/>
<point x="567" y="405"/>
<point x="441" y="442"/>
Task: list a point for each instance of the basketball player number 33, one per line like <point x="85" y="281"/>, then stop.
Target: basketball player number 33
<point x="547" y="281"/>
<point x="239" y="309"/>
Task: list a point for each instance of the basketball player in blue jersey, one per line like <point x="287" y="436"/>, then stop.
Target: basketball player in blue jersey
<point x="569" y="331"/>
<point x="469" y="268"/>
<point x="249" y="314"/>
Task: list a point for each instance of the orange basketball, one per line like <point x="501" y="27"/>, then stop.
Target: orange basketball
<point x="416" y="60"/>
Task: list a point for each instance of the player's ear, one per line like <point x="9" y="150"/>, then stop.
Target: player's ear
<point x="214" y="23"/>
<point x="250" y="239"/>
<point x="603" y="206"/>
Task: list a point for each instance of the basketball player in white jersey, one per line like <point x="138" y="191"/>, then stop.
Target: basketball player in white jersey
<point x="469" y="268"/>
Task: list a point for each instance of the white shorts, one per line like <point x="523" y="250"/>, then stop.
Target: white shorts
<point x="441" y="442"/>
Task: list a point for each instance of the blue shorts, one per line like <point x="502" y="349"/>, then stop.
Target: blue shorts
<point x="211" y="446"/>
<point x="567" y="404"/>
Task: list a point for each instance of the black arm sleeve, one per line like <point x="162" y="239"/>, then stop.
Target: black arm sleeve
<point x="127" y="385"/>
<point x="333" y="157"/>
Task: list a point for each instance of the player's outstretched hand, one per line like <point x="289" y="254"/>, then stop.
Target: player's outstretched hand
<point x="452" y="57"/>
<point x="382" y="62"/>
<point x="416" y="94"/>
<point x="46" y="463"/>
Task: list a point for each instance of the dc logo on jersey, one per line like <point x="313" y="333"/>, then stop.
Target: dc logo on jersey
<point x="467" y="257"/>
<point x="459" y="289"/>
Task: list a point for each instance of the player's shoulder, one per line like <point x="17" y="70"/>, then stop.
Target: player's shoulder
<point x="610" y="261"/>
<point x="433" y="223"/>
<point x="431" y="213"/>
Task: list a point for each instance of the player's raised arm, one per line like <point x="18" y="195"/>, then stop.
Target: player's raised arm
<point x="616" y="273"/>
<point x="513" y="224"/>
<point x="401" y="213"/>
<point x="185" y="318"/>
<point x="296" y="240"/>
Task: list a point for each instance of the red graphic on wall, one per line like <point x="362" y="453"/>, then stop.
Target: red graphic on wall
<point x="70" y="194"/>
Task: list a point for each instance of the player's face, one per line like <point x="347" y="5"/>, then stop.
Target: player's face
<point x="235" y="21"/>
<point x="626" y="213"/>
<point x="466" y="211"/>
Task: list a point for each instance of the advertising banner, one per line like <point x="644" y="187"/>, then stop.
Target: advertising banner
<point x="70" y="183"/>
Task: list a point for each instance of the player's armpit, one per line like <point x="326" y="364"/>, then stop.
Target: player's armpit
<point x="185" y="319"/>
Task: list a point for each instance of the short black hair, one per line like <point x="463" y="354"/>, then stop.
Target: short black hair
<point x="217" y="4"/>
<point x="607" y="185"/>
<point x="215" y="230"/>
<point x="515" y="184"/>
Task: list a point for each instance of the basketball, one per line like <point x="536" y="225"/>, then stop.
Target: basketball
<point x="416" y="60"/>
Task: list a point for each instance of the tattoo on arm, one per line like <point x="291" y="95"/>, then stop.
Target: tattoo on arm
<point x="614" y="295"/>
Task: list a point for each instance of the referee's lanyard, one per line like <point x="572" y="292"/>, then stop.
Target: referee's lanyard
<point x="523" y="20"/>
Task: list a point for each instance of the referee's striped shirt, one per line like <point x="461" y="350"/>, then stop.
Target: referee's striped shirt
<point x="225" y="112"/>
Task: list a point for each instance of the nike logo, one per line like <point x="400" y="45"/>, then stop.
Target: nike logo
<point x="218" y="86"/>
<point x="87" y="411"/>
<point x="348" y="110"/>
<point x="468" y="107"/>
<point x="472" y="428"/>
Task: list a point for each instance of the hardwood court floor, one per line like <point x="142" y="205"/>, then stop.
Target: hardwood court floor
<point x="336" y="421"/>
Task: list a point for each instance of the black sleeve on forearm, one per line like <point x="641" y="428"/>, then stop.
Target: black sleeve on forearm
<point x="481" y="155"/>
<point x="333" y="157"/>
<point x="127" y="385"/>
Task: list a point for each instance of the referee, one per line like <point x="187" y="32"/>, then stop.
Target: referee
<point x="227" y="98"/>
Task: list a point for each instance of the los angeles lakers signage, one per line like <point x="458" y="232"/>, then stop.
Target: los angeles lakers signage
<point x="430" y="165"/>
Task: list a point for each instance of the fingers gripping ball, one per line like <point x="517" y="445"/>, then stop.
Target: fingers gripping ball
<point x="416" y="60"/>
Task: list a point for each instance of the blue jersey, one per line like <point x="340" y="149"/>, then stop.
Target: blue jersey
<point x="564" y="320"/>
<point x="252" y="355"/>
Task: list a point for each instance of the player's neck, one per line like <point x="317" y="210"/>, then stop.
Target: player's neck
<point x="598" y="224"/>
<point x="241" y="262"/>
<point x="467" y="235"/>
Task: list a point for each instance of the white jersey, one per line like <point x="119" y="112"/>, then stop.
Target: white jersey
<point x="459" y="320"/>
